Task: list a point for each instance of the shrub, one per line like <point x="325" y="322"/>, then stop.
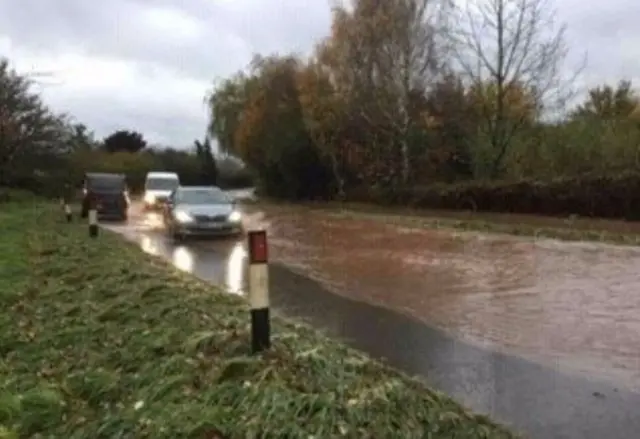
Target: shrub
<point x="591" y="195"/>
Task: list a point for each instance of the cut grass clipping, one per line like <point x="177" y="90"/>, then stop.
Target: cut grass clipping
<point x="98" y="340"/>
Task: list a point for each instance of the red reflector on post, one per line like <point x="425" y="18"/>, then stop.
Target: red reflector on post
<point x="258" y="247"/>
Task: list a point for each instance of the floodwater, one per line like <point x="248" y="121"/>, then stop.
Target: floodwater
<point x="540" y="334"/>
<point x="575" y="304"/>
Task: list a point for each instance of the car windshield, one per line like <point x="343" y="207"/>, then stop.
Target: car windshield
<point x="162" y="184"/>
<point x="105" y="183"/>
<point x="203" y="196"/>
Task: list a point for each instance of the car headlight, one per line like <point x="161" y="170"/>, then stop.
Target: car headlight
<point x="235" y="217"/>
<point x="183" y="217"/>
<point x="149" y="198"/>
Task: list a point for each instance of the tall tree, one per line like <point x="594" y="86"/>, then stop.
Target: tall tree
<point x="226" y="103"/>
<point x="323" y="111"/>
<point x="393" y="49"/>
<point x="80" y="137"/>
<point x="28" y="128"/>
<point x="504" y="45"/>
<point x="207" y="160"/>
<point x="450" y="126"/>
<point x="272" y="137"/>
<point x="124" y="141"/>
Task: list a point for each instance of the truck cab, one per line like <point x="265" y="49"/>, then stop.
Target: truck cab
<point x="157" y="188"/>
<point x="107" y="193"/>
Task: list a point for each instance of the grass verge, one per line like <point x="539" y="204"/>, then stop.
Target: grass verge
<point x="568" y="229"/>
<point x="98" y="340"/>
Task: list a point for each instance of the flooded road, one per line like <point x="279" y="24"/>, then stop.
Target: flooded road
<point x="539" y="334"/>
<point x="573" y="304"/>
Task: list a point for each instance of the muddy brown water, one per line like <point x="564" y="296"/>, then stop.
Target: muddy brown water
<point x="571" y="304"/>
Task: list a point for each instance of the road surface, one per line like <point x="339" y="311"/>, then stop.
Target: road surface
<point x="505" y="346"/>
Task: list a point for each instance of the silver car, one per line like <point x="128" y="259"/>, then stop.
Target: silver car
<point x="201" y="211"/>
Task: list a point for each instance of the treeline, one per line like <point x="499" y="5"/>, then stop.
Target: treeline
<point x="41" y="150"/>
<point x="127" y="152"/>
<point x="418" y="102"/>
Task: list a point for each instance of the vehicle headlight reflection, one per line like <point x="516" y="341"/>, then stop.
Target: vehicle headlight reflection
<point x="152" y="220"/>
<point x="235" y="269"/>
<point x="149" y="198"/>
<point x="183" y="217"/>
<point x="183" y="259"/>
<point x="235" y="217"/>
<point x="149" y="246"/>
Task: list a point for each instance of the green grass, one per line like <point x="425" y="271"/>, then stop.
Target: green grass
<point x="98" y="340"/>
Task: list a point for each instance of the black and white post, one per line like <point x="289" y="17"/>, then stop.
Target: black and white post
<point x="93" y="219"/>
<point x="67" y="211"/>
<point x="259" y="291"/>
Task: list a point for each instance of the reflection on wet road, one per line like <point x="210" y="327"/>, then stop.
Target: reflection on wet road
<point x="221" y="260"/>
<point x="569" y="305"/>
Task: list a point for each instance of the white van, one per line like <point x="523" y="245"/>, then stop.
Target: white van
<point x="158" y="186"/>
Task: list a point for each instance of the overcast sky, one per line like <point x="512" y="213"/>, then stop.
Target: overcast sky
<point x="147" y="64"/>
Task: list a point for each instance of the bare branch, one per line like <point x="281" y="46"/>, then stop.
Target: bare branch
<point x="504" y="45"/>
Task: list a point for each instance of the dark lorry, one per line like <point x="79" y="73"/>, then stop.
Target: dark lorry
<point x="108" y="192"/>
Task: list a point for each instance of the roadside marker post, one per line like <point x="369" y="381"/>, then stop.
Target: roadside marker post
<point x="67" y="211"/>
<point x="93" y="219"/>
<point x="259" y="291"/>
<point x="65" y="201"/>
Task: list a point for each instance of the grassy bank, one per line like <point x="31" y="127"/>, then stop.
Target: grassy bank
<point x="98" y="340"/>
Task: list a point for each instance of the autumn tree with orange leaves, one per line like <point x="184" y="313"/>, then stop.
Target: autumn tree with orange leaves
<point x="386" y="53"/>
<point x="270" y="133"/>
<point x="323" y="113"/>
<point x="405" y="93"/>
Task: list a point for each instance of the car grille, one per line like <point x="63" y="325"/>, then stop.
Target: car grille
<point x="108" y="202"/>
<point x="210" y="218"/>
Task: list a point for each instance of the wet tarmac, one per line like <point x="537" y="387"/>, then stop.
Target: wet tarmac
<point x="539" y="335"/>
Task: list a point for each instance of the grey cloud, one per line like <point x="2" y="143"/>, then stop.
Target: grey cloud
<point x="169" y="126"/>
<point x="231" y="31"/>
<point x="608" y="33"/>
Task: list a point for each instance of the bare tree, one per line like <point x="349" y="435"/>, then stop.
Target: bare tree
<point x="503" y="46"/>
